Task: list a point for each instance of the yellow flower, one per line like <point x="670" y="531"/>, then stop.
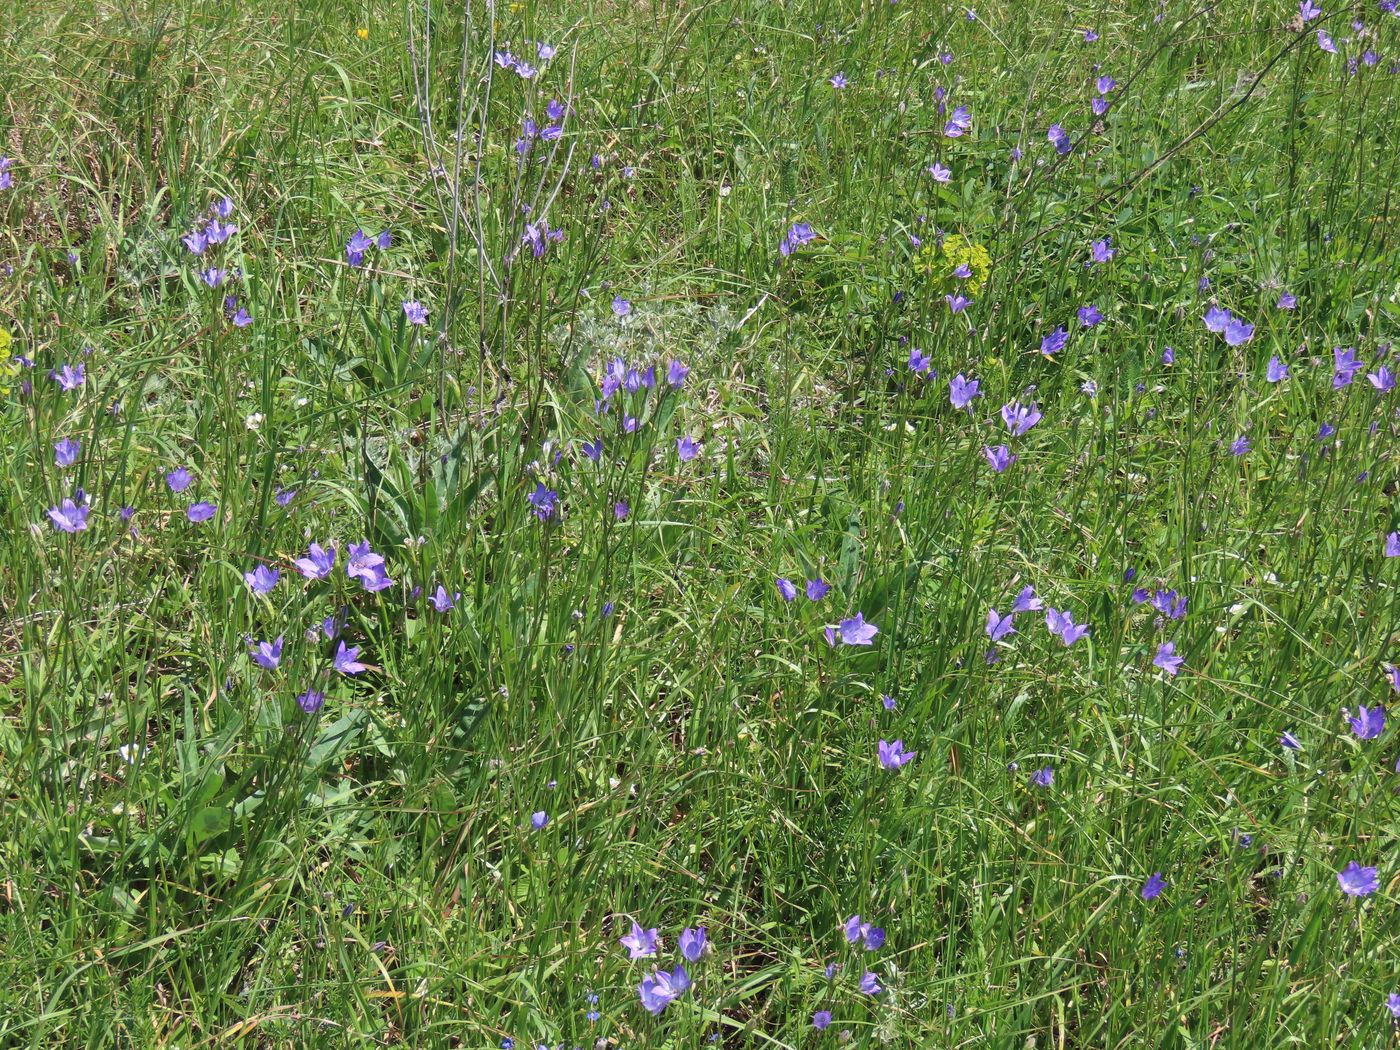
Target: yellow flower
<point x="940" y="262"/>
<point x="362" y="33"/>
<point x="9" y="367"/>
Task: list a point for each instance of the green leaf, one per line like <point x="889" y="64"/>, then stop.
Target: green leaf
<point x="208" y="822"/>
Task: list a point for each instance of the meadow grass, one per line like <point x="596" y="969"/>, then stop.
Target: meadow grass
<point x="611" y="712"/>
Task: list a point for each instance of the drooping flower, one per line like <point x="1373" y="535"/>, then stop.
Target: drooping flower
<point x="1026" y="601"/>
<point x="786" y="589"/>
<point x="539" y="819"/>
<point x="1053" y="343"/>
<point x="311" y="701"/>
<point x="318" y="562"/>
<point x="443" y="602"/>
<point x="1101" y="251"/>
<point x="267" y="654"/>
<point x="999" y="456"/>
<point x="1277" y="370"/>
<point x="939" y="173"/>
<point x="1020" y="418"/>
<point x="70" y="377"/>
<point x="1383" y="379"/>
<point x="65" y="452"/>
<point x="893" y="756"/>
<point x="1287" y="302"/>
<point x="1167" y="659"/>
<point x="676" y="373"/>
<point x="543" y="501"/>
<point x="1153" y="887"/>
<point x="1307" y="10"/>
<point x="178" y="479"/>
<point x="998" y="626"/>
<point x="919" y="362"/>
<point x="69" y="516"/>
<point x="1240" y="445"/>
<point x="959" y="123"/>
<point x="1059" y="138"/>
<point x="346" y="659"/>
<point x="662" y="988"/>
<point x="1237" y="333"/>
<point x="356" y="247"/>
<point x="817" y="589"/>
<point x="692" y="943"/>
<point x="1369" y="722"/>
<point x="961" y="390"/>
<point x="365" y="565"/>
<point x="262" y="579"/>
<point x="1062" y="625"/>
<point x="217" y="232"/>
<point x="822" y="1018"/>
<point x="201" y="511"/>
<point x="1357" y="881"/>
<point x="687" y="448"/>
<point x="639" y="942"/>
<point x="1324" y="42"/>
<point x="1044" y="777"/>
<point x="857" y="931"/>
<point x="855" y="631"/>
<point x="539" y="237"/>
<point x="415" y="311"/>
<point x="1392" y="1003"/>
<point x="1170" y="604"/>
<point x="869" y="985"/>
<point x="798" y="234"/>
<point x="1290" y="742"/>
<point x="1344" y="366"/>
<point x="620" y="306"/>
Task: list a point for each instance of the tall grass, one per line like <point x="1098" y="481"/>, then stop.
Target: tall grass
<point x="611" y="714"/>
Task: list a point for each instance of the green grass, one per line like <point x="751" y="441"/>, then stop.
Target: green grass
<point x="190" y="860"/>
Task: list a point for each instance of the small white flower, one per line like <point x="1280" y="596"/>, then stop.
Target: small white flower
<point x="131" y="752"/>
